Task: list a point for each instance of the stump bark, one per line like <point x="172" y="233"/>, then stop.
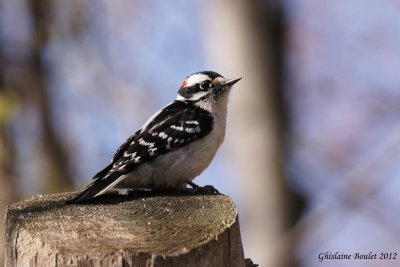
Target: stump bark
<point x="140" y="230"/>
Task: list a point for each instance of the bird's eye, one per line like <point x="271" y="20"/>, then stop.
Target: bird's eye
<point x="205" y="85"/>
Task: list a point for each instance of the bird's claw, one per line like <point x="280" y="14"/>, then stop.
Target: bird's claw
<point x="207" y="189"/>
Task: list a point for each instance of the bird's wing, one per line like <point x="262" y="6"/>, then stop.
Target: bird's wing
<point x="177" y="125"/>
<point x="117" y="156"/>
<point x="124" y="146"/>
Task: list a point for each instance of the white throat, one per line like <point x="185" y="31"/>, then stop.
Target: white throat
<point x="218" y="106"/>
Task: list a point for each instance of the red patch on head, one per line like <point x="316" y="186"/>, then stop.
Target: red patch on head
<point x="183" y="84"/>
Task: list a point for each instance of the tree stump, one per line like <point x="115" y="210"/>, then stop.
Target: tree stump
<point x="141" y="230"/>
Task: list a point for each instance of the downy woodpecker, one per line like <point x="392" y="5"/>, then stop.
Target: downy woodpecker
<point x="175" y="144"/>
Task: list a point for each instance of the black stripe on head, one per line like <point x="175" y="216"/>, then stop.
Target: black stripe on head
<point x="210" y="74"/>
<point x="197" y="82"/>
<point x="188" y="92"/>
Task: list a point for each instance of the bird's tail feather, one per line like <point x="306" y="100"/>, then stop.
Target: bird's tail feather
<point x="97" y="187"/>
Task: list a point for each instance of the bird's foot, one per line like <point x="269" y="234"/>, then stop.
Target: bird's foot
<point x="207" y="189"/>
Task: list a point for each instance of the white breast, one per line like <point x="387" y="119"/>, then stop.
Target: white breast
<point x="184" y="164"/>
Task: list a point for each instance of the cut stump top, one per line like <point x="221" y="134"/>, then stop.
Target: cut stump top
<point x="163" y="225"/>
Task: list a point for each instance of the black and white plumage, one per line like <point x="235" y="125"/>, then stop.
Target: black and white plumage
<point x="175" y="145"/>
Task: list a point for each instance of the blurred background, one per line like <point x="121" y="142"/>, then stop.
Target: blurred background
<point x="313" y="140"/>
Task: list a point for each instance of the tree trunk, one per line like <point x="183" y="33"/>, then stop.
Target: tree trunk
<point x="140" y="230"/>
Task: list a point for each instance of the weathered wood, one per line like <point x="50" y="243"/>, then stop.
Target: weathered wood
<point x="140" y="230"/>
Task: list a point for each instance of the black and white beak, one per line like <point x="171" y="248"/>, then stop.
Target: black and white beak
<point x="232" y="81"/>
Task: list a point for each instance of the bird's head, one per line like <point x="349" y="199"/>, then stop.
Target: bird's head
<point x="205" y="85"/>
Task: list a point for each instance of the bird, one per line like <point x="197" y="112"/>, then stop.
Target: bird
<point x="174" y="145"/>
